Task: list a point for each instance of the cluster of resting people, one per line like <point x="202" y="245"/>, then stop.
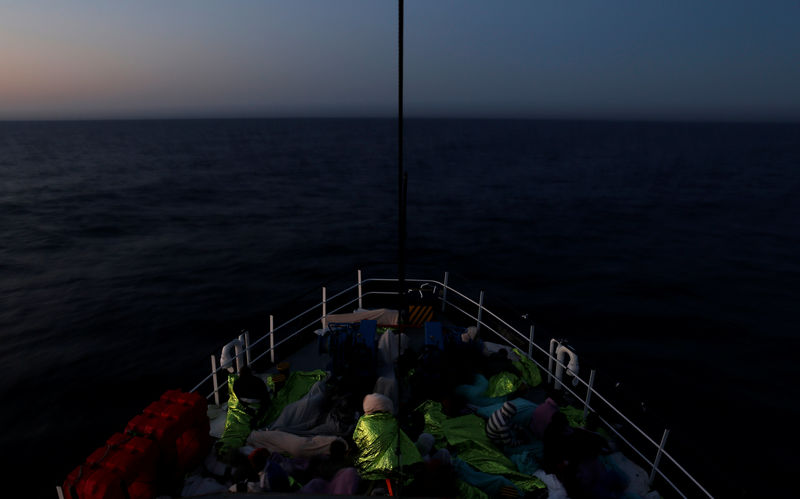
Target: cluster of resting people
<point x="464" y="419"/>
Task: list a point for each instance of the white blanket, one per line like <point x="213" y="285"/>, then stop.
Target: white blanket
<point x="293" y="445"/>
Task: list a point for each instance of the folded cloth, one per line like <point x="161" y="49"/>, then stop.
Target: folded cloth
<point x="375" y="402"/>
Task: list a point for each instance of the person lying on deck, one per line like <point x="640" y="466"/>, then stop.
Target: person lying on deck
<point x="498" y="427"/>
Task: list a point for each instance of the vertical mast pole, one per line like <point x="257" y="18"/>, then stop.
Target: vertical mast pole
<point x="402" y="183"/>
<point x="401" y="174"/>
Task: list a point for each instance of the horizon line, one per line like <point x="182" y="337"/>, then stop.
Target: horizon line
<point x="617" y="119"/>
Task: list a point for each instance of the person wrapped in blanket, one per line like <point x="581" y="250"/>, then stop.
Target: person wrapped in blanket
<point x="574" y="456"/>
<point x="248" y="401"/>
<point x="267" y="471"/>
<point x="499" y="426"/>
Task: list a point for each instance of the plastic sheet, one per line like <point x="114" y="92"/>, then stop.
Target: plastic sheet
<point x="529" y="371"/>
<point x="297" y="386"/>
<point x="503" y="384"/>
<point x="467" y="437"/>
<point x="377" y="436"/>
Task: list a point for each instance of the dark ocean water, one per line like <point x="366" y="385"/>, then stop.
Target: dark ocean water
<point x="666" y="253"/>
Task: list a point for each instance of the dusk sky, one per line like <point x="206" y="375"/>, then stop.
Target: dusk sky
<point x="596" y="59"/>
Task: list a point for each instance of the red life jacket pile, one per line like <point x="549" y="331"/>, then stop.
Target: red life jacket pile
<point x="158" y="447"/>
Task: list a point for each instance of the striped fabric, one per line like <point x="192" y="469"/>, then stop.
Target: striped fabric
<point x="498" y="427"/>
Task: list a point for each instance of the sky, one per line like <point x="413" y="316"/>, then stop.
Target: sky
<point x="589" y="59"/>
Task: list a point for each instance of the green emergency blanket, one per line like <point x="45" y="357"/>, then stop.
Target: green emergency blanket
<point x="529" y="371"/>
<point x="574" y="416"/>
<point x="238" y="421"/>
<point x="466" y="436"/>
<point x="489" y="483"/>
<point x="297" y="386"/>
<point x="475" y="393"/>
<point x="502" y="384"/>
<point x="506" y="383"/>
<point x="467" y="491"/>
<point x="376" y="437"/>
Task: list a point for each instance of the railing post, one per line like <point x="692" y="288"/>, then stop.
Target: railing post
<point x="658" y="457"/>
<point x="237" y="349"/>
<point x="272" y="339"/>
<point x="530" y="344"/>
<point x="444" y="291"/>
<point x="550" y="358"/>
<point x="480" y="311"/>
<point x="214" y="379"/>
<point x="247" y="346"/>
<point x="360" y="295"/>
<point x="324" y="307"/>
<point x="244" y="354"/>
<point x="588" y="395"/>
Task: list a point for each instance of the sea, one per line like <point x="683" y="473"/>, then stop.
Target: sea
<point x="667" y="254"/>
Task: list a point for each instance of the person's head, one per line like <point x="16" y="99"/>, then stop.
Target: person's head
<point x="425" y="443"/>
<point x="558" y="423"/>
<point x="376" y="402"/>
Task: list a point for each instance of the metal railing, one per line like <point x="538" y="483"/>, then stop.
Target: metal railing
<point x="485" y="320"/>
